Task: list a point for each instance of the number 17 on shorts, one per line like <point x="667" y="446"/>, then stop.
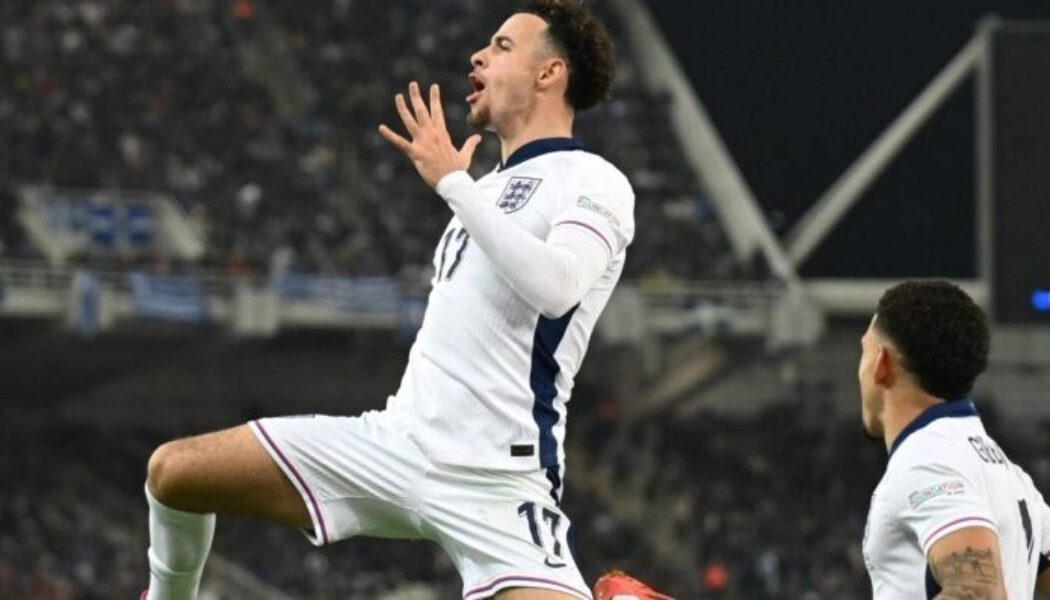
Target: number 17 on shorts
<point x="529" y="549"/>
<point x="545" y="529"/>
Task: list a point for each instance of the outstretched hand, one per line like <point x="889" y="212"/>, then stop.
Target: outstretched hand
<point x="431" y="148"/>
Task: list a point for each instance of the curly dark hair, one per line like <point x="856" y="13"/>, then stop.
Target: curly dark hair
<point x="941" y="333"/>
<point x="582" y="40"/>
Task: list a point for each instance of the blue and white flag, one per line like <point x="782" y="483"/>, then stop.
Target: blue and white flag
<point x="374" y="295"/>
<point x="169" y="298"/>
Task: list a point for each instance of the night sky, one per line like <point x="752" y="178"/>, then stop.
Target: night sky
<point x="798" y="89"/>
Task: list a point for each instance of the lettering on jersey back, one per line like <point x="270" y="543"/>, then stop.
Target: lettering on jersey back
<point x="517" y="194"/>
<point x="987" y="451"/>
<point x="1026" y="523"/>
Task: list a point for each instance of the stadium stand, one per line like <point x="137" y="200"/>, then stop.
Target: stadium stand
<point x="192" y="97"/>
<point x="720" y="485"/>
<point x="259" y="118"/>
<point x="53" y="545"/>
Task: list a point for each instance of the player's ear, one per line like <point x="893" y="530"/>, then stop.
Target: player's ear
<point x="553" y="71"/>
<point x="883" y="367"/>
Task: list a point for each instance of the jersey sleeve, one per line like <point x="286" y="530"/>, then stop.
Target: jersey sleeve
<point x="939" y="499"/>
<point x="552" y="275"/>
<point x="602" y="208"/>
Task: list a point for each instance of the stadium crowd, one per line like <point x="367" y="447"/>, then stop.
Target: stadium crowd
<point x="74" y="528"/>
<point x="771" y="506"/>
<point x="768" y="507"/>
<point x="260" y="119"/>
<point x="52" y="546"/>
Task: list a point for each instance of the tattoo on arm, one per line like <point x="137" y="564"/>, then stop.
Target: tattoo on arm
<point x="969" y="575"/>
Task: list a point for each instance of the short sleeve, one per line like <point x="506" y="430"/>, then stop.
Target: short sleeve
<point x="939" y="499"/>
<point x="603" y="207"/>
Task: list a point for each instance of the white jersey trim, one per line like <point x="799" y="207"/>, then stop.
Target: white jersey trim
<point x="952" y="526"/>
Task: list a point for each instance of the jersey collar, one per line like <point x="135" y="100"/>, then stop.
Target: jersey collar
<point x="540" y="147"/>
<point x="963" y="407"/>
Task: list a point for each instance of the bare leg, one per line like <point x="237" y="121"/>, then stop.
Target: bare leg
<point x="191" y="479"/>
<point x="225" y="472"/>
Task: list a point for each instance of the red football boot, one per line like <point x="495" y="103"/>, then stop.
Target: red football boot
<point x="617" y="585"/>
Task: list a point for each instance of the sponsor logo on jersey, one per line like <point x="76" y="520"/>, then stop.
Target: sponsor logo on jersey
<point x="517" y="194"/>
<point x="587" y="204"/>
<point x="947" y="488"/>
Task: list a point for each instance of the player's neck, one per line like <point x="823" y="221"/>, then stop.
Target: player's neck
<point x="541" y="124"/>
<point x="902" y="410"/>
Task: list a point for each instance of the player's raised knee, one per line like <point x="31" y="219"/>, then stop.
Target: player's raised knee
<point x="164" y="472"/>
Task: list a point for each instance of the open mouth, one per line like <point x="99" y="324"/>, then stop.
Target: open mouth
<point x="477" y="86"/>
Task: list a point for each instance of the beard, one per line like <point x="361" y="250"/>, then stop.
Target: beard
<point x="479" y="118"/>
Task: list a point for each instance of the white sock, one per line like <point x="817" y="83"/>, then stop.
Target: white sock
<point x="179" y="545"/>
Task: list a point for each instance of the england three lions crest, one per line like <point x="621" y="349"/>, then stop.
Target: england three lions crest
<point x="517" y="194"/>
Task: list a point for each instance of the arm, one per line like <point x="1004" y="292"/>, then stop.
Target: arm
<point x="966" y="564"/>
<point x="552" y="275"/>
<point x="949" y="515"/>
<point x="1043" y="583"/>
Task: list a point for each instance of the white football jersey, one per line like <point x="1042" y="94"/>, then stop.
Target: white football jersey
<point x="488" y="376"/>
<point x="944" y="474"/>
